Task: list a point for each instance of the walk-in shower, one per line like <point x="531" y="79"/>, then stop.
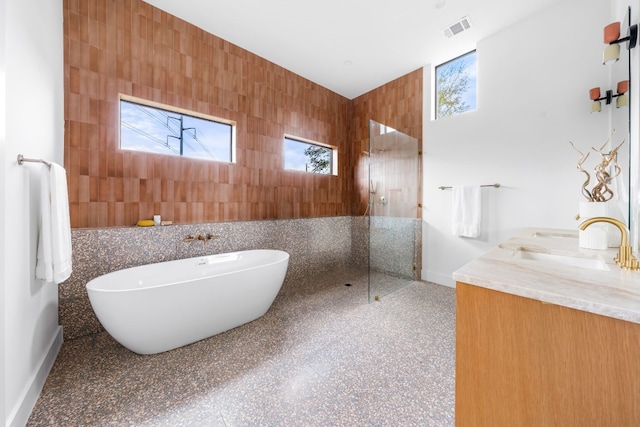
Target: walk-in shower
<point x="393" y="209"/>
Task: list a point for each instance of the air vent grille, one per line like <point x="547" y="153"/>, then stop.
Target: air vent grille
<point x="457" y="27"/>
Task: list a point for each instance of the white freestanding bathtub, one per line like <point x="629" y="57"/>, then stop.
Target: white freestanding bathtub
<point x="158" y="307"/>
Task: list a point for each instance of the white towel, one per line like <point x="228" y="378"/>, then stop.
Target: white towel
<point x="467" y="209"/>
<point x="54" y="242"/>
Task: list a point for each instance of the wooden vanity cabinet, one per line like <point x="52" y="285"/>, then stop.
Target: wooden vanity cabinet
<point x="522" y="362"/>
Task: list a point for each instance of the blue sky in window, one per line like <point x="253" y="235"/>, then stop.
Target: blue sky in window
<point x="470" y="66"/>
<point x="294" y="157"/>
<point x="149" y="129"/>
<point x="470" y="96"/>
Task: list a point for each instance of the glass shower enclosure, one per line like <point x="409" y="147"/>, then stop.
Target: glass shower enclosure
<point x="393" y="210"/>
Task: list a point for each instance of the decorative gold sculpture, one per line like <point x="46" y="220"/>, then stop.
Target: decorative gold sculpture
<point x="605" y="172"/>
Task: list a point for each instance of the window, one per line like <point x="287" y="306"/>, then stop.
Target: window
<point x="309" y="156"/>
<point x="157" y="128"/>
<point x="456" y="86"/>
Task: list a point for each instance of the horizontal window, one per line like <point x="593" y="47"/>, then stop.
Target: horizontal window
<point x="309" y="156"/>
<point x="161" y="129"/>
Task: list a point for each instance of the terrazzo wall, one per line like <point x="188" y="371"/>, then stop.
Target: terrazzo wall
<point x="315" y="245"/>
<point x="395" y="246"/>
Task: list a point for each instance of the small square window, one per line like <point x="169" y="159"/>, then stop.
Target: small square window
<point x="309" y="156"/>
<point x="161" y="129"/>
<point x="456" y="86"/>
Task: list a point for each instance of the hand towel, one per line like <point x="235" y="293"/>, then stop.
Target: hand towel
<point x="467" y="208"/>
<point x="54" y="243"/>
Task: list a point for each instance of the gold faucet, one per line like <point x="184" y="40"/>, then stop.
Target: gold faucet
<point x="625" y="258"/>
<point x="201" y="237"/>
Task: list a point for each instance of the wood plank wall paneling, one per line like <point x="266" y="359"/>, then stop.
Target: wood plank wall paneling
<point x="130" y="47"/>
<point x="397" y="104"/>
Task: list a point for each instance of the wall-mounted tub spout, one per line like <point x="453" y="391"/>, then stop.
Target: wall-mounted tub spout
<point x="204" y="238"/>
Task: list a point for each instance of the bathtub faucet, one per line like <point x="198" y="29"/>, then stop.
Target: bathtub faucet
<point x="204" y="238"/>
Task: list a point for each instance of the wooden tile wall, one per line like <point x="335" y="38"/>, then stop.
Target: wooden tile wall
<point x="130" y="47"/>
<point x="397" y="104"/>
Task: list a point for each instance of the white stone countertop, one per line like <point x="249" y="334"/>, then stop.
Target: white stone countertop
<point x="613" y="292"/>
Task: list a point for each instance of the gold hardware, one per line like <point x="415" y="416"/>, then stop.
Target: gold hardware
<point x="204" y="238"/>
<point x="377" y="298"/>
<point x="625" y="258"/>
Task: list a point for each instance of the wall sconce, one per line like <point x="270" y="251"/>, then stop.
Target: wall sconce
<point x="612" y="37"/>
<point x="622" y="100"/>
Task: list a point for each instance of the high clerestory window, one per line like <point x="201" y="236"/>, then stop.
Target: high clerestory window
<point x="456" y="86"/>
<point x="310" y="156"/>
<point x="162" y="129"/>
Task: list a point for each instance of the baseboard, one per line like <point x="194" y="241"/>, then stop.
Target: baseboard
<point x="438" y="278"/>
<point x="23" y="411"/>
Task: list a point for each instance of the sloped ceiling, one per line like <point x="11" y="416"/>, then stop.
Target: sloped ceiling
<point x="351" y="46"/>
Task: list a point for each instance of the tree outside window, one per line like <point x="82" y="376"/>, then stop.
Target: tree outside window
<point x="456" y="86"/>
<point x="309" y="157"/>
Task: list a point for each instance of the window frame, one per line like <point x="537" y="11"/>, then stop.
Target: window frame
<point x="184" y="112"/>
<point x="333" y="166"/>
<point x="435" y="85"/>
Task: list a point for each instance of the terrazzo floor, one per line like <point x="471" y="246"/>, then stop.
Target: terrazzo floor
<point x="321" y="356"/>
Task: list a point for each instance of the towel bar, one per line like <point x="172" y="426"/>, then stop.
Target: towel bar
<point x="496" y="185"/>
<point x="22" y="159"/>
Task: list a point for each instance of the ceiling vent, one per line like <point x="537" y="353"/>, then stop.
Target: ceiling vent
<point x="457" y="27"/>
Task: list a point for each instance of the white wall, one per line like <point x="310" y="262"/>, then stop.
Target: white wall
<point x="533" y="82"/>
<point x="33" y="122"/>
<point x="3" y="200"/>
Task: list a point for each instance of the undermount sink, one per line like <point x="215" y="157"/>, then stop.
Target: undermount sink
<point x="555" y="235"/>
<point x="593" y="263"/>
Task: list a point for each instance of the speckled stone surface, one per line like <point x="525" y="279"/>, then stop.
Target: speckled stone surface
<point x="403" y="235"/>
<point x="360" y="240"/>
<point x="612" y="291"/>
<point x="393" y="246"/>
<point x="314" y="244"/>
<point x="321" y="356"/>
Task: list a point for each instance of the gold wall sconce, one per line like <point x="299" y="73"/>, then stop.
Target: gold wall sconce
<point x="622" y="100"/>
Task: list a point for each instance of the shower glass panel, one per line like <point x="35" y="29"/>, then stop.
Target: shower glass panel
<point x="394" y="177"/>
